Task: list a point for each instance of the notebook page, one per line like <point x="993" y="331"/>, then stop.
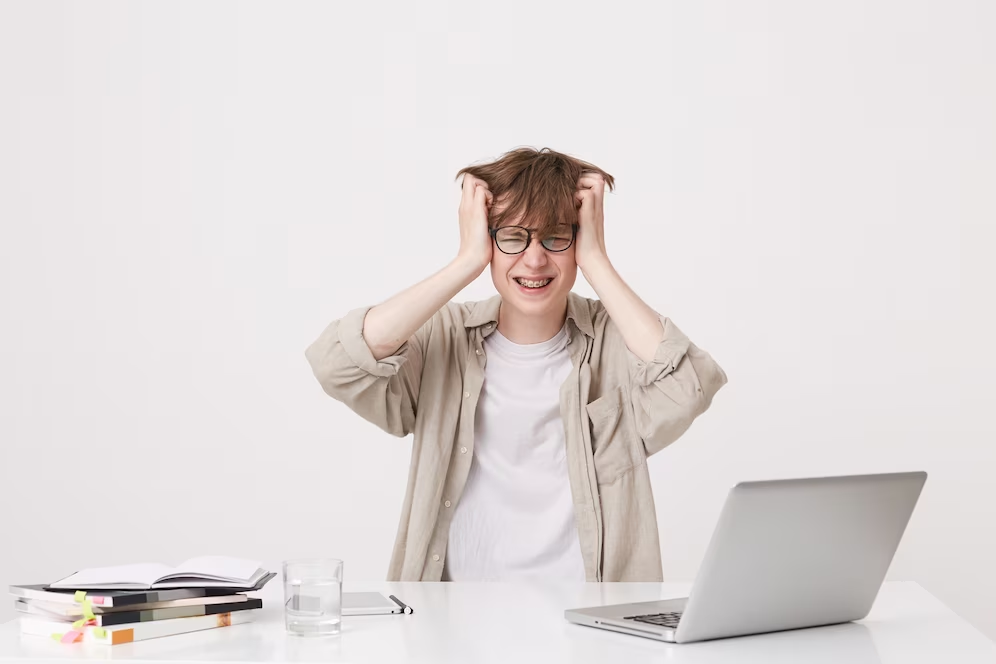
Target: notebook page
<point x="216" y="567"/>
<point x="143" y="573"/>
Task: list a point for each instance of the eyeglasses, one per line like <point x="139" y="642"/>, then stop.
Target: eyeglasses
<point x="515" y="239"/>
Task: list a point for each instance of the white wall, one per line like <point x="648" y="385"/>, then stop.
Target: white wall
<point x="190" y="192"/>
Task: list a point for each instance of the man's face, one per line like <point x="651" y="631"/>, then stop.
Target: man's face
<point x="520" y="278"/>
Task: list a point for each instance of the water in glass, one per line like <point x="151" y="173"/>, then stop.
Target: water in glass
<point x="313" y="597"/>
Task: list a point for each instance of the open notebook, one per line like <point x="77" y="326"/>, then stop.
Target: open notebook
<point x="202" y="572"/>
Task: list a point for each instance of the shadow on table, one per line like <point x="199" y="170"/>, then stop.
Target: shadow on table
<point x="849" y="643"/>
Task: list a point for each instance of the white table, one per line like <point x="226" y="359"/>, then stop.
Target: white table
<point x="471" y="623"/>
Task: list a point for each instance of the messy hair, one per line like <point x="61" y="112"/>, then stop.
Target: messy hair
<point x="539" y="185"/>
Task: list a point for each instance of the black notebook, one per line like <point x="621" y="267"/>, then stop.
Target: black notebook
<point x="147" y="615"/>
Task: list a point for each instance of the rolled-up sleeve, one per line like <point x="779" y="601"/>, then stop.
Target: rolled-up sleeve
<point x="674" y="388"/>
<point x="384" y="392"/>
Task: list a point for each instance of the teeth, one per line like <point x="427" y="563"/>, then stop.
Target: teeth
<point x="534" y="284"/>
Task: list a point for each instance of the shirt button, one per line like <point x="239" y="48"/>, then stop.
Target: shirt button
<point x="436" y="557"/>
<point x="447" y="503"/>
<point x="488" y="326"/>
<point x="466" y="394"/>
<point x="463" y="450"/>
<point x="478" y="351"/>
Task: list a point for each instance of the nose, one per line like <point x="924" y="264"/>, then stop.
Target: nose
<point x="534" y="257"/>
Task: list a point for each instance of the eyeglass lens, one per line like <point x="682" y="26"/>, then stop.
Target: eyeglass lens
<point x="514" y="239"/>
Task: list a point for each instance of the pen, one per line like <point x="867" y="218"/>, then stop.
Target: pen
<point x="404" y="607"/>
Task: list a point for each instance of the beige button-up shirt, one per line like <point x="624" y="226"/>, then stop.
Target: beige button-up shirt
<point x="617" y="411"/>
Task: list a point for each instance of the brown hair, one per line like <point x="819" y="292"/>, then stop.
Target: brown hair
<point x="538" y="184"/>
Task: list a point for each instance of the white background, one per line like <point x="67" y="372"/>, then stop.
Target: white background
<point x="190" y="192"/>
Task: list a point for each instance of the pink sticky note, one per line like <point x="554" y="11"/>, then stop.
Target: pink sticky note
<point x="72" y="636"/>
<point x="97" y="600"/>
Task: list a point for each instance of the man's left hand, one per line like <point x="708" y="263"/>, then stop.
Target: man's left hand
<point x="591" y="220"/>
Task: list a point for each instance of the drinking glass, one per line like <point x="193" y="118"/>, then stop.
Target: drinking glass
<point x="313" y="596"/>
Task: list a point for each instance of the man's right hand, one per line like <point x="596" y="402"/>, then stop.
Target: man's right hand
<point x="388" y="325"/>
<point x="475" y="240"/>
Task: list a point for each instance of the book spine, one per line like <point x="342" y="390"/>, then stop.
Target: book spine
<point x="125" y="617"/>
<point x="58" y="597"/>
<point x="142" y="631"/>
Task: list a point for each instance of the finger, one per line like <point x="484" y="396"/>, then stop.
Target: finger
<point x="482" y="197"/>
<point x="583" y="200"/>
<point x="471" y="182"/>
<point x="596" y="184"/>
<point x="486" y="193"/>
<point x="469" y="188"/>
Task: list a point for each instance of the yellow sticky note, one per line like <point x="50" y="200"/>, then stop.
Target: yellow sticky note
<point x="78" y="623"/>
<point x="57" y="637"/>
<point x="99" y="632"/>
<point x="79" y="595"/>
<point x="88" y="610"/>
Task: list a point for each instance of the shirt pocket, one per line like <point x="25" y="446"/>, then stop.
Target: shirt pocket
<point x="616" y="445"/>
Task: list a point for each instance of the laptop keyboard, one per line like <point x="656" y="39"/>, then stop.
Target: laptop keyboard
<point x="660" y="619"/>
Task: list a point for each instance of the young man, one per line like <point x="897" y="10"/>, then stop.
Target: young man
<point x="534" y="411"/>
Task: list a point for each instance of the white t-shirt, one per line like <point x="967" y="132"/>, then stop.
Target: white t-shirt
<point x="515" y="518"/>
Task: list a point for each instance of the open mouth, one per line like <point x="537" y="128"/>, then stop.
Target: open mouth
<point x="531" y="286"/>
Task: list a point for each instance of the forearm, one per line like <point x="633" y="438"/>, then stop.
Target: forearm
<point x="639" y="324"/>
<point x="388" y="325"/>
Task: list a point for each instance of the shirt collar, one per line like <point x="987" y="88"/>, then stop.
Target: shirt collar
<point x="486" y="311"/>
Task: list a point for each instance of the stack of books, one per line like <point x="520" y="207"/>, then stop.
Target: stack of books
<point x="114" y="605"/>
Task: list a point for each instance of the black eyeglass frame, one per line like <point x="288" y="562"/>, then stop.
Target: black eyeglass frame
<point x="529" y="239"/>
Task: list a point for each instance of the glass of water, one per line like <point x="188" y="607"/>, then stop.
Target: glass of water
<point x="313" y="596"/>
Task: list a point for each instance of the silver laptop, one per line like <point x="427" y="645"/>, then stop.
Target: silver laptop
<point x="785" y="554"/>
